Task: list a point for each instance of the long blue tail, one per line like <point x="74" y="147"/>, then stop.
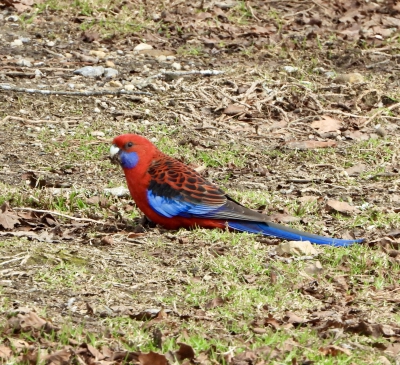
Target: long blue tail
<point x="287" y="233"/>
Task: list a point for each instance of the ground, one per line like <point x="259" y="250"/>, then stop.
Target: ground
<point x="296" y="115"/>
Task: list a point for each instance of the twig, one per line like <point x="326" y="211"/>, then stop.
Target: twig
<point x="60" y="214"/>
<point x="72" y="93"/>
<point x="380" y="111"/>
<point x="23" y="120"/>
<point x="230" y="97"/>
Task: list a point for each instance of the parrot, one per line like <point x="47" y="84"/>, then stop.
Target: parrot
<point x="174" y="195"/>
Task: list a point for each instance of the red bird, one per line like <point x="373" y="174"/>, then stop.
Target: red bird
<point x="173" y="195"/>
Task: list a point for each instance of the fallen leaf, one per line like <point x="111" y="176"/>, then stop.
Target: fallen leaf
<point x="326" y="124"/>
<point x="333" y="350"/>
<point x="356" y="169"/>
<point x="350" y="78"/>
<point x="61" y="357"/>
<point x="283" y="218"/>
<point x="152" y="358"/>
<point x="300" y="248"/>
<point x="216" y="302"/>
<point x="232" y="109"/>
<point x="341" y="207"/>
<point x="5" y="352"/>
<point x="291" y="317"/>
<point x="307" y="145"/>
<point x="184" y="352"/>
<point x="8" y="220"/>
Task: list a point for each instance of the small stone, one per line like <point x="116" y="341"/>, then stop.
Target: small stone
<point x="13" y="18"/>
<point x="119" y="191"/>
<point x="98" y="134"/>
<point x="299" y="248"/>
<point x="99" y="54"/>
<point x="50" y="44"/>
<point x="110" y="72"/>
<point x="290" y="69"/>
<point x="38" y="73"/>
<point x="161" y="58"/>
<point x="24" y="63"/>
<point x="177" y="66"/>
<point x="129" y="87"/>
<point x="314" y="268"/>
<point x="142" y="46"/>
<point x="25" y="39"/>
<point x="121" y="53"/>
<point x="97" y="110"/>
<point x="113" y="83"/>
<point x="350" y="78"/>
<point x="380" y="131"/>
<point x="90" y="71"/>
<point x="171" y="58"/>
<point x="71" y="86"/>
<point x="68" y="55"/>
<point x="16" y="43"/>
<point x="110" y="64"/>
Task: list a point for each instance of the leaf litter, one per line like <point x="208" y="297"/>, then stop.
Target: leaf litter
<point x="273" y="113"/>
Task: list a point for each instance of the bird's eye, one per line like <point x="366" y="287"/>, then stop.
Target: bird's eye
<point x="129" y="145"/>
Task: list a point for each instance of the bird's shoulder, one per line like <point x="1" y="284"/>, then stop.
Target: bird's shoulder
<point x="171" y="178"/>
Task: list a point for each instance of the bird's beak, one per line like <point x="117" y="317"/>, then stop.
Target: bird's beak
<point x="114" y="154"/>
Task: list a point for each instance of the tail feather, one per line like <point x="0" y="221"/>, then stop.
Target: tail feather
<point x="277" y="230"/>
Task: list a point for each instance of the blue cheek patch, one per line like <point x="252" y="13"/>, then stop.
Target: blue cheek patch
<point x="129" y="159"/>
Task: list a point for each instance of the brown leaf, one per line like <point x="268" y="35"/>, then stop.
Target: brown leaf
<point x="152" y="358"/>
<point x="333" y="350"/>
<point x="31" y="321"/>
<point x="232" y="109"/>
<point x="8" y="220"/>
<point x="5" y="352"/>
<point x="61" y="357"/>
<point x="342" y="207"/>
<point x="291" y="317"/>
<point x="216" y="302"/>
<point x="326" y="124"/>
<point x="271" y="321"/>
<point x="307" y="145"/>
<point x="184" y="352"/>
<point x="356" y="169"/>
<point x="283" y="218"/>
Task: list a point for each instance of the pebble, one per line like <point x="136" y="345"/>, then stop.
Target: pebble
<point x="142" y="46"/>
<point x="90" y="71"/>
<point x="98" y="134"/>
<point x="99" y="54"/>
<point x="38" y="73"/>
<point x="113" y="83"/>
<point x="13" y="18"/>
<point x="97" y="110"/>
<point x="119" y="191"/>
<point x="50" y="44"/>
<point x="68" y="55"/>
<point x="24" y="63"/>
<point x="71" y="86"/>
<point x="129" y="87"/>
<point x="121" y="53"/>
<point x="161" y="58"/>
<point x="110" y="64"/>
<point x="110" y="72"/>
<point x="177" y="66"/>
<point x="290" y="69"/>
<point x="16" y="43"/>
<point x="171" y="58"/>
<point x="25" y="40"/>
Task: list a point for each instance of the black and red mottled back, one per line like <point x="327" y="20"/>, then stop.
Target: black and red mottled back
<point x="171" y="178"/>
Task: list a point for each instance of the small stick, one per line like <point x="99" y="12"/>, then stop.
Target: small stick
<point x="60" y="214"/>
<point x="369" y="120"/>
<point x="72" y="93"/>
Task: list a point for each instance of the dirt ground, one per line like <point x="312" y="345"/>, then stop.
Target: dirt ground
<point x="291" y="107"/>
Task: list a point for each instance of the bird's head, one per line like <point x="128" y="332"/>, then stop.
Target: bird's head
<point x="128" y="149"/>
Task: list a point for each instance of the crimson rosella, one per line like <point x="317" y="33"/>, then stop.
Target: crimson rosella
<point x="174" y="195"/>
